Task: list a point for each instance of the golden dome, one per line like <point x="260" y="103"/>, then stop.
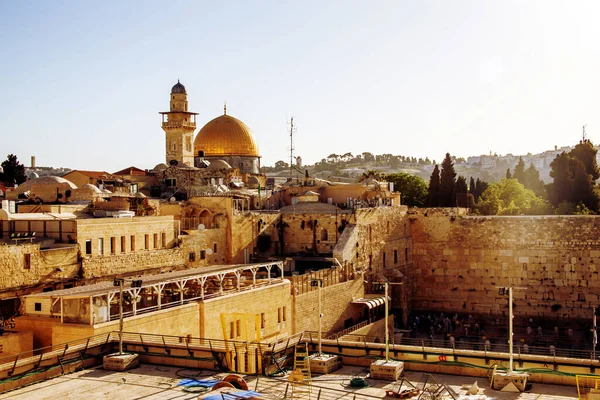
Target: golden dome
<point x="225" y="136"/>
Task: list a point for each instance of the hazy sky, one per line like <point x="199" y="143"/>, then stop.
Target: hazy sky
<point x="82" y="82"/>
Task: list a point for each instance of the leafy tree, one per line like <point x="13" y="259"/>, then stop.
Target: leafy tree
<point x="508" y="174"/>
<point x="371" y="174"/>
<point x="519" y="173"/>
<point x="333" y="158"/>
<point x="281" y="165"/>
<point x="533" y="181"/>
<point x="14" y="171"/>
<point x="480" y="187"/>
<point x="412" y="188"/>
<point x="433" y="191"/>
<point x="573" y="178"/>
<point x="447" y="182"/>
<point x="463" y="197"/>
<point x="586" y="153"/>
<point x="368" y="156"/>
<point x="394" y="162"/>
<point x="509" y="197"/>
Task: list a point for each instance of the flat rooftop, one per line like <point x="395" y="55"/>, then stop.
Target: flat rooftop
<point x="153" y="382"/>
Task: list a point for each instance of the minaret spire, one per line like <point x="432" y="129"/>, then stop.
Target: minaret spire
<point x="225" y="108"/>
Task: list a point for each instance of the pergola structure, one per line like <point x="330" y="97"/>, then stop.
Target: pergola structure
<point x="98" y="303"/>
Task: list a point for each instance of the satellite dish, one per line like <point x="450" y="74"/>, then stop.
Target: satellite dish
<point x="209" y="251"/>
<point x="201" y="227"/>
<point x="172" y="200"/>
<point x="173" y="162"/>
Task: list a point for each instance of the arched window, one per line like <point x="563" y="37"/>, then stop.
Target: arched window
<point x="324" y="234"/>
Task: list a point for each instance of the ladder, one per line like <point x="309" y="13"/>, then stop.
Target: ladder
<point x="300" y="376"/>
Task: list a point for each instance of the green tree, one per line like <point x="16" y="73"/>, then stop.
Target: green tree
<point x="533" y="181"/>
<point x="368" y="156"/>
<point x="480" y="187"/>
<point x="281" y="165"/>
<point x="573" y="179"/>
<point x="472" y="186"/>
<point x="371" y="174"/>
<point x="447" y="182"/>
<point x="412" y="188"/>
<point x="508" y="174"/>
<point x="509" y="197"/>
<point x="463" y="197"/>
<point x="14" y="171"/>
<point x="433" y="191"/>
<point x="519" y="173"/>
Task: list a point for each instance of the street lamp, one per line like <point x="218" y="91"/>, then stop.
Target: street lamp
<point x="119" y="282"/>
<point x="377" y="287"/>
<point x="502" y="291"/>
<point x="319" y="284"/>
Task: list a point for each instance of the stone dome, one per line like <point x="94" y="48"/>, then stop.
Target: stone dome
<point x="32" y="175"/>
<point x="226" y="136"/>
<point x="45" y="181"/>
<point x="219" y="164"/>
<point x="160" y="167"/>
<point x="89" y="188"/>
<point x="178" y="88"/>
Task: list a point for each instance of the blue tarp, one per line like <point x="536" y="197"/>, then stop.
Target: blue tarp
<point x="240" y="394"/>
<point x="207" y="383"/>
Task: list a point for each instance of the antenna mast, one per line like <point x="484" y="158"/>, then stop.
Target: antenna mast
<point x="583" y="139"/>
<point x="291" y="146"/>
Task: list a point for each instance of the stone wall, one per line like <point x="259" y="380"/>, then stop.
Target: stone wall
<point x="336" y="306"/>
<point x="302" y="235"/>
<point x="26" y="265"/>
<point x="272" y="303"/>
<point x="460" y="260"/>
<point x="143" y="260"/>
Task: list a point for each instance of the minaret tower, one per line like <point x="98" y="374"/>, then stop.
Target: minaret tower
<point x="179" y="125"/>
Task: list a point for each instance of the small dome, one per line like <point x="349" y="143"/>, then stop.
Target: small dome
<point x="89" y="188"/>
<point x="178" y="88"/>
<point x="219" y="164"/>
<point x="32" y="175"/>
<point x="160" y="167"/>
<point x="226" y="136"/>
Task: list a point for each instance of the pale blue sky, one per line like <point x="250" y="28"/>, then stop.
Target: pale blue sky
<point x="81" y="82"/>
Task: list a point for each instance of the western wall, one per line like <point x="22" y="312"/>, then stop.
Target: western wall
<point x="459" y="261"/>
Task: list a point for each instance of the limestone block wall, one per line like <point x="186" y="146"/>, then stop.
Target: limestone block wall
<point x="27" y="265"/>
<point x="110" y="236"/>
<point x="302" y="235"/>
<point x="459" y="261"/>
<point x="194" y="247"/>
<point x="272" y="304"/>
<point x="245" y="230"/>
<point x="336" y="306"/>
<point x="133" y="262"/>
<point x="12" y="343"/>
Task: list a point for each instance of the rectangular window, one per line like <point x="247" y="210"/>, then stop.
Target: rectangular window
<point x="27" y="261"/>
<point x="123" y="244"/>
<point x="262" y="320"/>
<point x="146" y="241"/>
<point x="113" y="245"/>
<point x="164" y="240"/>
<point x="132" y="238"/>
<point x="133" y="188"/>
<point x="238" y="328"/>
<point x="202" y="254"/>
<point x="156" y="240"/>
<point x="284" y="316"/>
<point x="37" y="306"/>
<point x="231" y="330"/>
<point x="88" y="247"/>
<point x="370" y="260"/>
<point x="188" y="144"/>
<point x="101" y="246"/>
<point x="279" y="315"/>
<point x="384" y="259"/>
<point x="215" y="248"/>
<point x="171" y="182"/>
<point x="192" y="256"/>
<point x="395" y="256"/>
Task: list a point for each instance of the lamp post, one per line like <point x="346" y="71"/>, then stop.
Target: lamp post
<point x="119" y="282"/>
<point x="387" y="331"/>
<point x="319" y="284"/>
<point x="503" y="291"/>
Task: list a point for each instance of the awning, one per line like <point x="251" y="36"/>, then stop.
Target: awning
<point x="373" y="302"/>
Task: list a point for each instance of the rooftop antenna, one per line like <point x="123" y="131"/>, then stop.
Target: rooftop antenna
<point x="291" y="146"/>
<point x="583" y="139"/>
<point x="225" y="108"/>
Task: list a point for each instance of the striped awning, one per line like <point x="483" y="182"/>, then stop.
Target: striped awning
<point x="373" y="302"/>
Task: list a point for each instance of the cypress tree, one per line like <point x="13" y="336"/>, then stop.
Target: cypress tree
<point x="434" y="187"/>
<point x="447" y="181"/>
<point x="519" y="173"/>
